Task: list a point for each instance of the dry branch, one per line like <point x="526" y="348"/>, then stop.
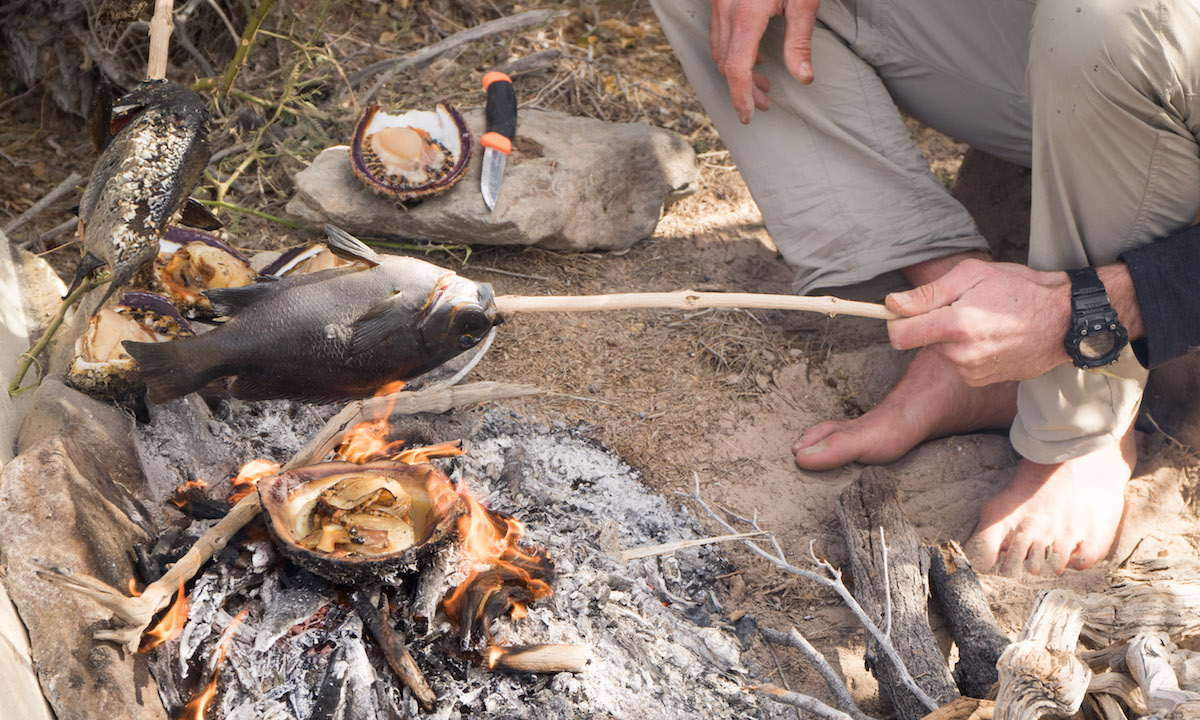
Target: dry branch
<point x="963" y="709"/>
<point x="806" y="703"/>
<point x="668" y="548"/>
<point x="1159" y="594"/>
<point x="869" y="509"/>
<point x="964" y="604"/>
<point x="161" y="26"/>
<point x="1149" y="664"/>
<point x="132" y="615"/>
<point x="836" y="684"/>
<point x="1040" y="673"/>
<point x="61" y="189"/>
<point x="690" y="300"/>
<point x="541" y="658"/>
<point x="394" y="648"/>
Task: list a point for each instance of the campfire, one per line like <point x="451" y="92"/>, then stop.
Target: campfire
<point x="516" y="601"/>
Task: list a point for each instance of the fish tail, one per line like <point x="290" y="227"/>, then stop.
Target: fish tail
<point x="169" y="369"/>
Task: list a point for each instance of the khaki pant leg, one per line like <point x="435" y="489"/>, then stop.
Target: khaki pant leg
<point x="843" y="189"/>
<point x="1112" y="86"/>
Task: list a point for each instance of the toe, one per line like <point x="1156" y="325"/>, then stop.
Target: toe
<point x="983" y="549"/>
<point x="1015" y="552"/>
<point x="815" y="434"/>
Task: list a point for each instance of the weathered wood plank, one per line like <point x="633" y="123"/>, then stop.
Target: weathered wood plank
<point x="964" y="604"/>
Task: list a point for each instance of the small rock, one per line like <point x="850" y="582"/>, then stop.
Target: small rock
<point x="571" y="183"/>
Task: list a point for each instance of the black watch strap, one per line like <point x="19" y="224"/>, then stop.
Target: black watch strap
<point x="1087" y="292"/>
<point x="1092" y="315"/>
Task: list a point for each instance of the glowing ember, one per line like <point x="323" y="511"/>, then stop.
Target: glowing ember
<point x="198" y="705"/>
<point x="171" y="624"/>
<point x="181" y="498"/>
<point x="248" y="477"/>
<point x="133" y="591"/>
<point x="494" y="653"/>
<point x="419" y="455"/>
<point x="503" y="576"/>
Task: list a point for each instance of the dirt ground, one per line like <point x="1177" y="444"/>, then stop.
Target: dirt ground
<point x="716" y="394"/>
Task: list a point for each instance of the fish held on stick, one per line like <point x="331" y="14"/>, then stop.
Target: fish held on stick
<point x="327" y="336"/>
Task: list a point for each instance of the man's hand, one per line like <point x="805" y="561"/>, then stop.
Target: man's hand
<point x="993" y="321"/>
<point x="738" y="26"/>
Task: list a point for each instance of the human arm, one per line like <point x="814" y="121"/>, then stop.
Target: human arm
<point x="1002" y="321"/>
<point x="736" y="29"/>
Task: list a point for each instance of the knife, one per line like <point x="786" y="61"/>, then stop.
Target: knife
<point x="501" y="115"/>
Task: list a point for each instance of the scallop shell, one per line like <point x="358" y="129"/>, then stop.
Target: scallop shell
<point x="413" y="154"/>
<point x="198" y="261"/>
<point x="100" y="365"/>
<point x="365" y="523"/>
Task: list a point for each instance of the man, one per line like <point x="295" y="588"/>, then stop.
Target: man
<point x="1100" y="99"/>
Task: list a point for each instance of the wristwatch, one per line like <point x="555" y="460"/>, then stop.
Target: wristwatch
<point x="1096" y="337"/>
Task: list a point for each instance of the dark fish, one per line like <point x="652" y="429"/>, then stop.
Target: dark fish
<point x="154" y="148"/>
<point x="326" y="336"/>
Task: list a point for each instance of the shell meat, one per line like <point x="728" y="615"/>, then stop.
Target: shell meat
<point x="100" y="365"/>
<point x="361" y="523"/>
<point x="413" y="154"/>
<point x="192" y="261"/>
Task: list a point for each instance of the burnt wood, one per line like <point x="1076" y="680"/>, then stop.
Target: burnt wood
<point x="394" y="646"/>
<point x="869" y="503"/>
<point x="965" y="606"/>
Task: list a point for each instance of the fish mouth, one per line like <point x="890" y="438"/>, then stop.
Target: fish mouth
<point x="458" y="314"/>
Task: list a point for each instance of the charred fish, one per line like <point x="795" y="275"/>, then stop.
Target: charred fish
<point x="154" y="147"/>
<point x="326" y="336"/>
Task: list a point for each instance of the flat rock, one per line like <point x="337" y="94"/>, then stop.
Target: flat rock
<point x="52" y="513"/>
<point x="571" y="183"/>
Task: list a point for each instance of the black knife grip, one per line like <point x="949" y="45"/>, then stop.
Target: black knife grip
<point x="502" y="107"/>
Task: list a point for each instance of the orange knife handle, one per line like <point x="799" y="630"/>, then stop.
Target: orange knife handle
<point x="501" y="112"/>
<point x="496" y="141"/>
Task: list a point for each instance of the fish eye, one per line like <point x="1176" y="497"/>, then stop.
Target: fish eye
<point x="466" y="341"/>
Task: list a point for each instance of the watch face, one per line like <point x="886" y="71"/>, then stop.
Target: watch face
<point x="1098" y="345"/>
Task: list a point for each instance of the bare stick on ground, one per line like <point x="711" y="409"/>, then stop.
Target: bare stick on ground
<point x="964" y="604"/>
<point x="394" y="647"/>
<point x="869" y="510"/>
<point x="132" y="615"/>
<point x="836" y="684"/>
<point x="833" y="581"/>
<point x="1040" y="673"/>
<point x="161" y="26"/>
<point x="690" y="300"/>
<point x="60" y="190"/>
<point x="540" y="658"/>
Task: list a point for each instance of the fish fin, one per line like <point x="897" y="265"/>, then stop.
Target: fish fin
<point x="250" y="390"/>
<point x="168" y="369"/>
<point x="230" y="301"/>
<point x="196" y="215"/>
<point x="348" y="247"/>
<point x="377" y="324"/>
<point x="87" y="264"/>
<point x="99" y="121"/>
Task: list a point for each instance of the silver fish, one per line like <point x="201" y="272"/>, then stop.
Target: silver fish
<point x="154" y="144"/>
<point x="326" y="336"/>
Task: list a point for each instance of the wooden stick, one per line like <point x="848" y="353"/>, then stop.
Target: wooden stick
<point x="690" y="300"/>
<point x="1040" y="673"/>
<point x="979" y="637"/>
<point x="134" y="614"/>
<point x="667" y="548"/>
<point x="963" y="709"/>
<point x="539" y="658"/>
<point x="63" y="188"/>
<point x="394" y="647"/>
<point x="161" y="26"/>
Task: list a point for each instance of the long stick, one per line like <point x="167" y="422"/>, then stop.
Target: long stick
<point x="690" y="300"/>
<point x="29" y="358"/>
<point x="161" y="26"/>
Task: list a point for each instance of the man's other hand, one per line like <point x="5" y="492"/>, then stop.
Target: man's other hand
<point x="994" y="321"/>
<point x="738" y="26"/>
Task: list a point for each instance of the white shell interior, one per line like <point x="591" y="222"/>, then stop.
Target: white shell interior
<point x="438" y="123"/>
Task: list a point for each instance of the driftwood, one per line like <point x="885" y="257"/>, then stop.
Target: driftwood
<point x="1149" y="664"/>
<point x="161" y="26"/>
<point x="889" y="563"/>
<point x="132" y="615"/>
<point x="690" y="300"/>
<point x="1040" y="673"/>
<point x="1112" y="686"/>
<point x="540" y="658"/>
<point x="964" y="604"/>
<point x="963" y="709"/>
<point x="1156" y="595"/>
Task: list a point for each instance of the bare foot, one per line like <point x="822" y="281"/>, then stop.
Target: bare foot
<point x="930" y="401"/>
<point x="1054" y="516"/>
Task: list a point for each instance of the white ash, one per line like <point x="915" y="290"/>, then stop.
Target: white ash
<point x="658" y="646"/>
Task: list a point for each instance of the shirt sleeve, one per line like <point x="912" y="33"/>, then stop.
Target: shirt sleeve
<point x="1166" y="279"/>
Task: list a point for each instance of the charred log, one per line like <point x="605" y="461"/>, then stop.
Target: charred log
<point x="979" y="637"/>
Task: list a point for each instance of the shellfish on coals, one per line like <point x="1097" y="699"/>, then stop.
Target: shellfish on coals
<point x="413" y="154"/>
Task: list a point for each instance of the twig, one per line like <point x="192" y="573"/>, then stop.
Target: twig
<point x="804" y="702"/>
<point x="30" y="357"/>
<point x="887" y="587"/>
<point x="667" y="548"/>
<point x="426" y="55"/>
<point x="256" y="213"/>
<point x="54" y="232"/>
<point x="394" y="647"/>
<point x="834" y="582"/>
<point x="61" y="189"/>
<point x="244" y="43"/>
<point x="836" y="685"/>
<point x="510" y="273"/>
<point x="161" y="26"/>
<point x="690" y="299"/>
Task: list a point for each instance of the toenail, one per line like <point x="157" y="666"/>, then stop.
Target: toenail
<point x="811" y="449"/>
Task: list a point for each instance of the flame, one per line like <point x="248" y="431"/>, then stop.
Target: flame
<point x="248" y="477"/>
<point x="415" y="456"/>
<point x="171" y="624"/>
<point x="502" y="576"/>
<point x="181" y="498"/>
<point x="133" y="591"/>
<point x="198" y="705"/>
<point x="366" y="441"/>
<point x="494" y="653"/>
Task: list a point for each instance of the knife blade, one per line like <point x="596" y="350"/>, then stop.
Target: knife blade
<point x="501" y="112"/>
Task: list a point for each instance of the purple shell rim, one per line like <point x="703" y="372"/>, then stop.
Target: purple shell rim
<point x="155" y="303"/>
<point x="284" y="258"/>
<point x="183" y="236"/>
<point x="455" y="174"/>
